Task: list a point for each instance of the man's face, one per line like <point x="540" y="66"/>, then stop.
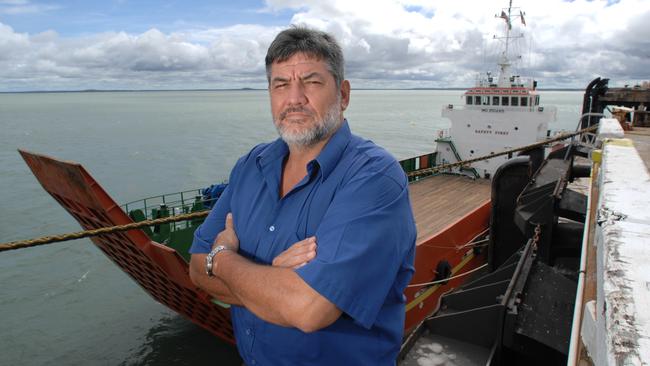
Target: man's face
<point x="305" y="102"/>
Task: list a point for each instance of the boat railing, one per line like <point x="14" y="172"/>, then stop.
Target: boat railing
<point x="443" y="133"/>
<point x="459" y="159"/>
<point x="588" y="138"/>
<point x="528" y="108"/>
<point x="418" y="162"/>
<point x="166" y="205"/>
<point x="609" y="322"/>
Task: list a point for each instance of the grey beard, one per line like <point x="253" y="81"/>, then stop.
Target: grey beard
<point x="319" y="132"/>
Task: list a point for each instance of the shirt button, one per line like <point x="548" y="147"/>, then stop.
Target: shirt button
<point x="253" y="362"/>
<point x="248" y="331"/>
<point x="272" y="228"/>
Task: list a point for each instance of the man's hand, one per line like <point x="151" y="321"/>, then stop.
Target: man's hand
<point x="297" y="255"/>
<point x="228" y="237"/>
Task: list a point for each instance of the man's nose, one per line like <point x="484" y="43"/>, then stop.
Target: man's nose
<point x="297" y="94"/>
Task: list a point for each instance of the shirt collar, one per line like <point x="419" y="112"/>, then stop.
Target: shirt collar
<point x="333" y="150"/>
<point x="276" y="150"/>
<point x="327" y="159"/>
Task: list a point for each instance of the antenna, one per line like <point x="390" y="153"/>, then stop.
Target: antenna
<point x="508" y="29"/>
<point x="505" y="60"/>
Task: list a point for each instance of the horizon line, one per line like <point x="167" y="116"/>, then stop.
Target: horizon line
<point x="236" y="89"/>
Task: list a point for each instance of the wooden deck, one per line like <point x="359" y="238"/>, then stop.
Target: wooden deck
<point x="439" y="200"/>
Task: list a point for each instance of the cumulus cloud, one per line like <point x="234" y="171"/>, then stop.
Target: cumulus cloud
<point x="447" y="43"/>
<point x="387" y="43"/>
<point x="151" y="60"/>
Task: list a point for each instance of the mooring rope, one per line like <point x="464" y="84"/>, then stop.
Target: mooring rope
<point x="444" y="167"/>
<point x="536" y="235"/>
<point x="100" y="231"/>
<point x="184" y="217"/>
<point x="445" y="280"/>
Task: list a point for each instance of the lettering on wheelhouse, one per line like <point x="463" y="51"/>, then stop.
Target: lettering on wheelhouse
<point x="490" y="132"/>
<point x="493" y="110"/>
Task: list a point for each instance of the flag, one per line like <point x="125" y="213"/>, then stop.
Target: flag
<point x="523" y="21"/>
<point x="505" y="17"/>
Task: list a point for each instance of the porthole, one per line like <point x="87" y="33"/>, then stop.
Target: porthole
<point x="516" y="128"/>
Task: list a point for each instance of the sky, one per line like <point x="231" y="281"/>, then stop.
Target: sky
<point x="193" y="44"/>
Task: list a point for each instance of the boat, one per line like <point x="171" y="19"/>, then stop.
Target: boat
<point x="497" y="114"/>
<point x="565" y="281"/>
<point x="472" y="275"/>
<point x="452" y="212"/>
<point x="157" y="259"/>
<point x="472" y="258"/>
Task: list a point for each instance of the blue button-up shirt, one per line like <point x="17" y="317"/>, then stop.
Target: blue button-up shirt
<point x="354" y="199"/>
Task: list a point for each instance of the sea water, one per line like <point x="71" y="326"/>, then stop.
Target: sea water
<point x="66" y="303"/>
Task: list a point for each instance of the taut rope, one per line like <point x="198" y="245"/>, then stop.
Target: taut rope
<point x="140" y="224"/>
<point x="443" y="167"/>
<point x="100" y="231"/>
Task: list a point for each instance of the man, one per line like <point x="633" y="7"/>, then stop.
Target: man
<point x="313" y="240"/>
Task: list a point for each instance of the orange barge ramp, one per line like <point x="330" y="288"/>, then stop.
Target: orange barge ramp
<point x="450" y="212"/>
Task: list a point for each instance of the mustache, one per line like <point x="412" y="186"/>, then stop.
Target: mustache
<point x="284" y="113"/>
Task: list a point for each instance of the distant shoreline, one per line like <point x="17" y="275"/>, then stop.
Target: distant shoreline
<point x="239" y="89"/>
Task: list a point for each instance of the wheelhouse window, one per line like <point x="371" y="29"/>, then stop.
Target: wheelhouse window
<point x="524" y="102"/>
<point x="537" y="100"/>
<point x="505" y="100"/>
<point x="495" y="100"/>
<point x="514" y="101"/>
<point x="477" y="99"/>
<point x="469" y="99"/>
<point x="486" y="100"/>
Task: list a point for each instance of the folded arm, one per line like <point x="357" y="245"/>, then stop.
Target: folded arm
<point x="212" y="285"/>
<point x="274" y="293"/>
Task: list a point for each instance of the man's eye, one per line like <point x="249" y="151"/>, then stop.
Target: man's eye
<point x="280" y="85"/>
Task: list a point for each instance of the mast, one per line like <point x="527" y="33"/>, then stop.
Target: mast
<point x="504" y="62"/>
<point x="508" y="29"/>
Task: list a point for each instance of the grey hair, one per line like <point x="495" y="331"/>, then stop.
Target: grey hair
<point x="300" y="39"/>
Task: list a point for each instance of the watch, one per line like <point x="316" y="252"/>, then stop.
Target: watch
<point x="210" y="258"/>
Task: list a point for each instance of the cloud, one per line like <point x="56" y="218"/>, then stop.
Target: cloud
<point x="209" y="59"/>
<point x="11" y="42"/>
<point x="447" y="43"/>
<point x="13" y="7"/>
<point x="387" y="43"/>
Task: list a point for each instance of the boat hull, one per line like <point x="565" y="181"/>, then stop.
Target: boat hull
<point x="449" y="244"/>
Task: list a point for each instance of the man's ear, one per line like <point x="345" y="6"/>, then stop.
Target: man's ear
<point x="345" y="94"/>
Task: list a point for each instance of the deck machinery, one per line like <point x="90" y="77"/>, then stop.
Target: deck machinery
<point x="520" y="310"/>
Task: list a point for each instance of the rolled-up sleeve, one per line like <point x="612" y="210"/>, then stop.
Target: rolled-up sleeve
<point x="366" y="234"/>
<point x="205" y="234"/>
